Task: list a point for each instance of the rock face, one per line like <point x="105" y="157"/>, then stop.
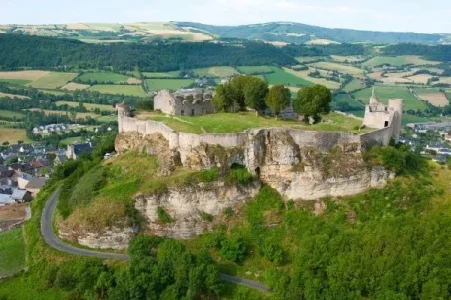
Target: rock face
<point x="190" y="207"/>
<point x="110" y="238"/>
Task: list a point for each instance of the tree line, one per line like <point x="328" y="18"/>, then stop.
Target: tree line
<point x="18" y="51"/>
<point x="251" y="92"/>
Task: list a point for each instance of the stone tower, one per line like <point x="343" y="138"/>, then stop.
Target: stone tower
<point x="380" y="116"/>
<point x="123" y="110"/>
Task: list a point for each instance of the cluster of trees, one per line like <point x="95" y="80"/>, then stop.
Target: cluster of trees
<point x="439" y="52"/>
<point x="252" y="92"/>
<point x="325" y="50"/>
<point x="54" y="53"/>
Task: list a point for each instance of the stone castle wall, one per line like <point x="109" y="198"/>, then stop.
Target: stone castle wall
<point x="321" y="140"/>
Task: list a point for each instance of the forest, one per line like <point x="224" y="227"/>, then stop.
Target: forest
<point x="439" y="53"/>
<point x="53" y="53"/>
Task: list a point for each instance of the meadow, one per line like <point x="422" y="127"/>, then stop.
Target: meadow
<point x="172" y="74"/>
<point x="15" y="81"/>
<point x="11" y="114"/>
<point x="53" y="80"/>
<point x="279" y="76"/>
<point x="13" y="96"/>
<point x="155" y="85"/>
<point x="333" y="85"/>
<point x="433" y="96"/>
<point x="73" y="86"/>
<point x="398" y="61"/>
<point x="13" y="135"/>
<point x="89" y="106"/>
<point x="238" y="122"/>
<point x="130" y="90"/>
<point x="103" y="77"/>
<point x="65" y="113"/>
<point x="384" y="93"/>
<point x="216" y="72"/>
<point x="255" y="70"/>
<point x="337" y="67"/>
<point x="12" y="252"/>
<point x="355" y="84"/>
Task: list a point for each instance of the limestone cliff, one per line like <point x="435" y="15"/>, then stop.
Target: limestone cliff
<point x="301" y="165"/>
<point x="189" y="206"/>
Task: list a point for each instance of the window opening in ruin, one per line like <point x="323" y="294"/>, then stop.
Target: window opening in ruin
<point x="386" y="124"/>
<point x="257" y="172"/>
<point x="192" y="112"/>
<point x="182" y="112"/>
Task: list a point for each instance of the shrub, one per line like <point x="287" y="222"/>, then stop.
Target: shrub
<point x="208" y="175"/>
<point x="239" y="174"/>
<point x="206" y="216"/>
<point x="163" y="216"/>
<point x="228" y="212"/>
<point x="272" y="252"/>
<point x="233" y="249"/>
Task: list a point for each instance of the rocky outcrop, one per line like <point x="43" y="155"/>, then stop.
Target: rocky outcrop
<point x="301" y="165"/>
<point x="194" y="209"/>
<point x="109" y="238"/>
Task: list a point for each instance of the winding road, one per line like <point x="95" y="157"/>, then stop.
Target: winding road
<point x="53" y="241"/>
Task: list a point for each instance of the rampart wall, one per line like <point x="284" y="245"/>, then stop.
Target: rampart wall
<point x="321" y="140"/>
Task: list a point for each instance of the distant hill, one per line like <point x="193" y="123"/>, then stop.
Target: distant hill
<point x="301" y="33"/>
<point x="279" y="33"/>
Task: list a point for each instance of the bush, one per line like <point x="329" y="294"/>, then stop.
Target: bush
<point x="206" y="216"/>
<point x="208" y="175"/>
<point x="239" y="175"/>
<point x="272" y="252"/>
<point x="233" y="249"/>
<point x="163" y="216"/>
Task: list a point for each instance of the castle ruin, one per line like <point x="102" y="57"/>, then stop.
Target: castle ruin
<point x="190" y="102"/>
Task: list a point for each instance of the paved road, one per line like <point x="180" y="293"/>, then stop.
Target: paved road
<point x="52" y="240"/>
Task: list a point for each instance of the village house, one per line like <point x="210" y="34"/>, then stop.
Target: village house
<point x="75" y="150"/>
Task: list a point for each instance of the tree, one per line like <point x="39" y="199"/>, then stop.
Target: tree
<point x="313" y="101"/>
<point x="223" y="98"/>
<point x="278" y="98"/>
<point x="255" y="91"/>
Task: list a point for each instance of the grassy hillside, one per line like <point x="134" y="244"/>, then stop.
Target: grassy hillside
<point x="12" y="252"/>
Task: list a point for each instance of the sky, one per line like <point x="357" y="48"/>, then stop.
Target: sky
<point x="432" y="16"/>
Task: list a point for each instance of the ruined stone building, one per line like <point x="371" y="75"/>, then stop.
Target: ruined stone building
<point x="192" y="102"/>
<point x="380" y="116"/>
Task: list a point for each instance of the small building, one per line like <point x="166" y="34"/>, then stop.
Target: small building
<point x="192" y="102"/>
<point x="21" y="195"/>
<point x="6" y="200"/>
<point x="75" y="150"/>
<point x="35" y="185"/>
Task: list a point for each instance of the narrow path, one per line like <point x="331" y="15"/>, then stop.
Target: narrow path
<point x="53" y="241"/>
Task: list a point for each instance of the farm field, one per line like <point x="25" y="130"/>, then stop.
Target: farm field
<point x="355" y="84"/>
<point x="389" y="78"/>
<point x="433" y="96"/>
<point x="53" y="80"/>
<point x="384" y="93"/>
<point x="337" y="67"/>
<point x="63" y="113"/>
<point x="445" y="80"/>
<point x="216" y="72"/>
<point x="11" y="114"/>
<point x="52" y="92"/>
<point x="90" y="106"/>
<point x="13" y="135"/>
<point x="339" y="100"/>
<point x="12" y="252"/>
<point x="349" y="59"/>
<point x="254" y="70"/>
<point x="172" y="74"/>
<point x="167" y="84"/>
<point x="107" y="119"/>
<point x="15" y="81"/>
<point x="24" y="75"/>
<point x="398" y="61"/>
<point x="333" y="85"/>
<point x="230" y="122"/>
<point x="73" y="86"/>
<point x="308" y="59"/>
<point x="131" y="90"/>
<point x="321" y="42"/>
<point x="103" y="77"/>
<point x="281" y="77"/>
<point x="71" y="140"/>
<point x="12" y="96"/>
<point x="420" y="78"/>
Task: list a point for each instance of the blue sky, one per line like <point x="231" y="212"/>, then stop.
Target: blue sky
<point x="382" y="15"/>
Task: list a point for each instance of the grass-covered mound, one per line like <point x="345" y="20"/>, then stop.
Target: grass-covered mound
<point x="390" y="243"/>
<point x="239" y="122"/>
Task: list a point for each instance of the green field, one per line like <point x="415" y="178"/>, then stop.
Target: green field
<point x="167" y="84"/>
<point x="129" y="90"/>
<point x="216" y="72"/>
<point x="238" y="122"/>
<point x="12" y="252"/>
<point x="279" y="76"/>
<point x="107" y="119"/>
<point x="103" y="77"/>
<point x="384" y="93"/>
<point x="89" y="106"/>
<point x="307" y="59"/>
<point x="13" y="135"/>
<point x="56" y="93"/>
<point x="16" y="81"/>
<point x="337" y="67"/>
<point x="359" y="110"/>
<point x="11" y="114"/>
<point x="355" y="84"/>
<point x="172" y="74"/>
<point x="397" y="61"/>
<point x="254" y="70"/>
<point x="71" y="140"/>
<point x="53" y="80"/>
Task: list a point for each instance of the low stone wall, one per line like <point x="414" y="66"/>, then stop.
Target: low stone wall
<point x="379" y="137"/>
